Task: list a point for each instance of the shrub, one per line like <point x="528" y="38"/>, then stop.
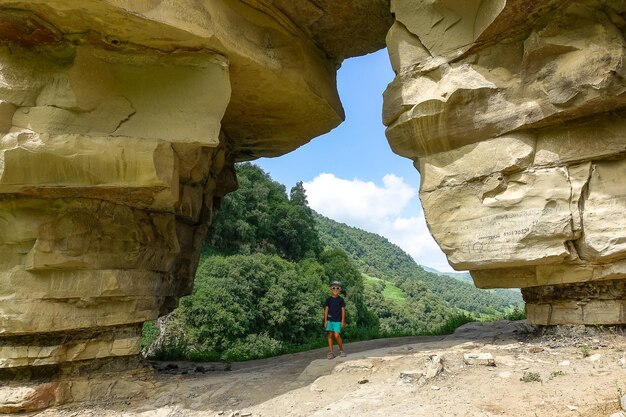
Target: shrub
<point x="171" y="349"/>
<point x="531" y="377"/>
<point x="585" y="350"/>
<point x="254" y="346"/>
<point x="517" y="313"/>
<point x="452" y="324"/>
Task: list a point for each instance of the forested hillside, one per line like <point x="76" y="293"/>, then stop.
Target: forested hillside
<point x="264" y="272"/>
<point x="376" y="256"/>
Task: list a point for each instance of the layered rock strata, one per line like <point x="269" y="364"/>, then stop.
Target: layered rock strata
<point x="120" y="122"/>
<point x="514" y="113"/>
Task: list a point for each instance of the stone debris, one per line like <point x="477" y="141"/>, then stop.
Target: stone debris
<point x="485" y="359"/>
<point x="434" y="366"/>
<point x="410" y="377"/>
<point x="594" y="358"/>
<point x="623" y="402"/>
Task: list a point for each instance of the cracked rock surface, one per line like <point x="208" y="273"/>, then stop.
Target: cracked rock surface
<point x="516" y="126"/>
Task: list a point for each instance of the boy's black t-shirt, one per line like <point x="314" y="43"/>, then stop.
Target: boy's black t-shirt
<point x="334" y="305"/>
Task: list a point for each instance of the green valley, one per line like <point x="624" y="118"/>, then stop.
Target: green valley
<point x="263" y="277"/>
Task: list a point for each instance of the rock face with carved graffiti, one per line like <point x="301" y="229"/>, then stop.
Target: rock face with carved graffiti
<point x="512" y="113"/>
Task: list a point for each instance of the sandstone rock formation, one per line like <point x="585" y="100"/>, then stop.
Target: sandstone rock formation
<point x="513" y="112"/>
<point x="120" y="122"/>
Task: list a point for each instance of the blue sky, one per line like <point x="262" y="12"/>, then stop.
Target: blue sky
<point x="351" y="175"/>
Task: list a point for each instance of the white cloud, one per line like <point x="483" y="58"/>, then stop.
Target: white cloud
<point x="378" y="209"/>
<point x="356" y="200"/>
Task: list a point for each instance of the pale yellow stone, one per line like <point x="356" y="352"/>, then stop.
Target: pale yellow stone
<point x="190" y="204"/>
<point x="501" y="155"/>
<point x="124" y="347"/>
<point x="570" y="312"/>
<point x="470" y="76"/>
<point x="24" y="74"/>
<point x="594" y="138"/>
<point x="32" y="316"/>
<point x="85" y="234"/>
<point x="570" y="66"/>
<point x="579" y="178"/>
<point x="539" y="275"/>
<point x="604" y="217"/>
<point x="284" y="90"/>
<point x="21" y="285"/>
<point x="526" y="219"/>
<point x="424" y="99"/>
<point x="406" y="51"/>
<point x="179" y="98"/>
<point x="505" y="277"/>
<point x="29" y="162"/>
<point x="447" y="28"/>
<point x="7" y="110"/>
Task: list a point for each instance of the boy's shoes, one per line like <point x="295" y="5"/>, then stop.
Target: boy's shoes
<point x="342" y="353"/>
<point x="330" y="355"/>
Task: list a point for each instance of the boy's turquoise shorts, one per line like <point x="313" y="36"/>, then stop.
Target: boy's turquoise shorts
<point x="333" y="326"/>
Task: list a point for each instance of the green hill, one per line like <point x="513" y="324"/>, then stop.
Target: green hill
<point x="264" y="272"/>
<point x="376" y="256"/>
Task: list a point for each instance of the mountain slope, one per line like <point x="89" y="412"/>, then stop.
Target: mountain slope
<point x="376" y="256"/>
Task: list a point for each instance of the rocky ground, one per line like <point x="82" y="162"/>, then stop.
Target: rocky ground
<point x="495" y="369"/>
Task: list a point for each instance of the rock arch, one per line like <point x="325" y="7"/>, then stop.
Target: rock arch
<point x="121" y="120"/>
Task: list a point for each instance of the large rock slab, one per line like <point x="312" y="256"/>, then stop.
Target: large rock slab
<point x="282" y="56"/>
<point x="120" y="123"/>
<point x="513" y="114"/>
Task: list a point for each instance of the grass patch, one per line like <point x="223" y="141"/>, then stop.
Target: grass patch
<point x="556" y="374"/>
<point x="585" y="350"/>
<point x="171" y="349"/>
<point x="390" y="291"/>
<point x="531" y="377"/>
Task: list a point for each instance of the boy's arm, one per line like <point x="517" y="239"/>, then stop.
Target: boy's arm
<point x="325" y="316"/>
<point x="343" y="316"/>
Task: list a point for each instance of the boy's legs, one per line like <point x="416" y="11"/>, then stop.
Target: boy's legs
<point x="330" y="341"/>
<point x="339" y="342"/>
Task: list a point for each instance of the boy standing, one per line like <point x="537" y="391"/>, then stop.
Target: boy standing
<point x="334" y="318"/>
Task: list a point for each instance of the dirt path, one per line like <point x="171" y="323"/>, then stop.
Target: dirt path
<point x="575" y="373"/>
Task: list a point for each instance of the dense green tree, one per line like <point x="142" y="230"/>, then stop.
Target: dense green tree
<point x="235" y="296"/>
<point x="297" y="196"/>
<point x="260" y="218"/>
